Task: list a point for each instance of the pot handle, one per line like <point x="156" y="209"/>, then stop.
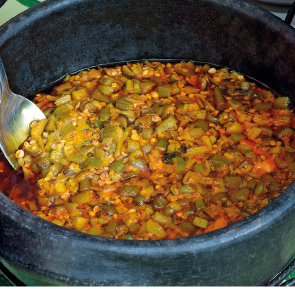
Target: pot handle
<point x="9" y="277"/>
<point x="290" y="14"/>
<point x="280" y="279"/>
<point x="2" y="2"/>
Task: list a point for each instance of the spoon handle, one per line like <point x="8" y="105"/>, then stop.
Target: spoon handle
<point x="16" y="113"/>
<point x="4" y="87"/>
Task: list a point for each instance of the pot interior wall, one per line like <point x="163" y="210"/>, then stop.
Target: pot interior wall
<point x="61" y="36"/>
<point x="64" y="36"/>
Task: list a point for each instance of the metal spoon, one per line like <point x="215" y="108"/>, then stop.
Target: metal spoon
<point x="16" y="114"/>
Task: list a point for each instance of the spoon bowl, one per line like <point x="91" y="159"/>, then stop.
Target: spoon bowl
<point x="16" y="113"/>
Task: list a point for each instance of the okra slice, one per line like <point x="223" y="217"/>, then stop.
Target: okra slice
<point x="117" y="166"/>
<point x="167" y="124"/>
<point x="124" y="104"/>
<point x="129" y="191"/>
<point x="200" y="222"/>
<point x="163" y="90"/>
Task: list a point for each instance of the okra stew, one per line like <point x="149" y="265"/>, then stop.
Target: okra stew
<point x="149" y="151"/>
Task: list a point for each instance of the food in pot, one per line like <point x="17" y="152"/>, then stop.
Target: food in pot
<point x="150" y="151"/>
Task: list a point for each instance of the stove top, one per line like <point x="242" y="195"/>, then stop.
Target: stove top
<point x="281" y="2"/>
<point x="278" y="8"/>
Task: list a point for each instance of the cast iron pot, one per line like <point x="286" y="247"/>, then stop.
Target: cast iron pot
<point x="60" y="36"/>
<point x="2" y="3"/>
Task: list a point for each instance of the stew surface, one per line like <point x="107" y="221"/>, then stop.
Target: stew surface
<point x="150" y="151"/>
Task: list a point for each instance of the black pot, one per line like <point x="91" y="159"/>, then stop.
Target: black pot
<point x="2" y="2"/>
<point x="60" y="36"/>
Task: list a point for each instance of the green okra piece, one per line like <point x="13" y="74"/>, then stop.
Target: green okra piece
<point x="121" y="140"/>
<point x="187" y="227"/>
<point x="61" y="110"/>
<point x="184" y="71"/>
<point x="219" y="99"/>
<point x="104" y="114"/>
<point x="202" y="124"/>
<point x="239" y="195"/>
<point x="95" y="231"/>
<point x="73" y="209"/>
<point x="111" y="227"/>
<point x="174" y="88"/>
<point x="43" y="163"/>
<point x="82" y="198"/>
<point x="235" y="104"/>
<point x="167" y="124"/>
<point x="196" y="132"/>
<point x="107" y="81"/>
<point x="38" y="129"/>
<point x="84" y="184"/>
<point x="190" y="65"/>
<point x="124" y="104"/>
<point x="211" y="118"/>
<point x="161" y="143"/>
<point x="67" y="130"/>
<point x="291" y="168"/>
<point x="163" y="90"/>
<point x="48" y="112"/>
<point x="146" y="85"/>
<point x="98" y="153"/>
<point x="180" y="164"/>
<point x="147" y="133"/>
<point x="127" y="71"/>
<point x="129" y="191"/>
<point x="199" y="168"/>
<point x="200" y="222"/>
<point x="136" y="87"/>
<point x="130" y="175"/>
<point x="199" y="204"/>
<point x="186" y="189"/>
<point x="129" y="84"/>
<point x="263" y="106"/>
<point x="284" y="132"/>
<point x="139" y="200"/>
<point x="117" y="166"/>
<point x="244" y="148"/>
<point x="259" y="189"/>
<point x="190" y="90"/>
<point x="33" y="150"/>
<point x="127" y="237"/>
<point x="232" y="182"/>
<point x="62" y="100"/>
<point x="56" y="168"/>
<point x="77" y="158"/>
<point x="137" y="69"/>
<point x="217" y="158"/>
<point x="197" y="150"/>
<point x="98" y="123"/>
<point x="161" y="219"/>
<point x="236" y="137"/>
<point x="91" y="163"/>
<point x="107" y="90"/>
<point x="160" y="202"/>
<point x="158" y="108"/>
<point x="281" y="103"/>
<point x="267" y="131"/>
<point x="97" y="95"/>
